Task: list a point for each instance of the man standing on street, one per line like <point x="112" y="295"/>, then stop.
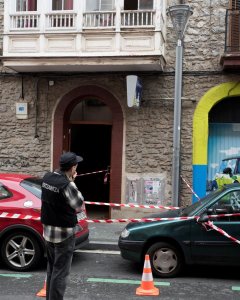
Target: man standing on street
<point x="60" y="201"/>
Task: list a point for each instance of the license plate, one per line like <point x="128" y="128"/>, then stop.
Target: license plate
<point x="81" y="216"/>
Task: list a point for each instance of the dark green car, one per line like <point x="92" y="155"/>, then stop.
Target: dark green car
<point x="173" y="243"/>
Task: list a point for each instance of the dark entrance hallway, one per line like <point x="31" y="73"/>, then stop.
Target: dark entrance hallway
<point x="93" y="143"/>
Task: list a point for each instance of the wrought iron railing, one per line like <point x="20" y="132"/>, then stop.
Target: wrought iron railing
<point x="232" y="35"/>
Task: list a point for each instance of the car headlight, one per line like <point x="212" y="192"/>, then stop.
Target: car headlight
<point x="125" y="233"/>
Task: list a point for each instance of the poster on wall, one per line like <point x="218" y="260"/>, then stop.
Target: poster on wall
<point x="153" y="191"/>
<point x="145" y="189"/>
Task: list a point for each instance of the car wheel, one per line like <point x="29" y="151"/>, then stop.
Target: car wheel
<point x="166" y="260"/>
<point x="20" y="251"/>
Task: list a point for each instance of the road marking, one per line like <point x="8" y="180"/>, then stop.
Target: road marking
<point x="126" y="281"/>
<point x="99" y="251"/>
<point x="236" y="288"/>
<point x="16" y="275"/>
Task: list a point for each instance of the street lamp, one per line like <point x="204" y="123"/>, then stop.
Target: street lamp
<point x="179" y="15"/>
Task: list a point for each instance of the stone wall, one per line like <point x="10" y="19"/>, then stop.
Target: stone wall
<point x="26" y="144"/>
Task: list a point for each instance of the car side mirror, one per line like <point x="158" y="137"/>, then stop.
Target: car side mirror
<point x="203" y="218"/>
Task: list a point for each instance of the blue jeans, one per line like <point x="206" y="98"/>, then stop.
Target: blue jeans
<point x="59" y="256"/>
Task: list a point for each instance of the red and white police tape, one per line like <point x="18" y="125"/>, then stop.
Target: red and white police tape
<point x="131" y="205"/>
<point x="208" y="223"/>
<point x="90" y="173"/>
<point x="188" y="185"/>
<point x="138" y="220"/>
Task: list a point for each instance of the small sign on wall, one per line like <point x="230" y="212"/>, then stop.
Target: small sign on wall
<point x="134" y="91"/>
<point x="21" y="110"/>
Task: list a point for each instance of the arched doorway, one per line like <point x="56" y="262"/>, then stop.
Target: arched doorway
<point x="201" y="132"/>
<point x="91" y="138"/>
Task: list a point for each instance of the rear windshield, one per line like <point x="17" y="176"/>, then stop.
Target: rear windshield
<point x="33" y="185"/>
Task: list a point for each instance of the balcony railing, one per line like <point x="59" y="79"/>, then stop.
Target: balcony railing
<point x="61" y="20"/>
<point x="99" y="19"/>
<point x="24" y="21"/>
<point x="232" y="35"/>
<point x="137" y="18"/>
<point x="91" y="20"/>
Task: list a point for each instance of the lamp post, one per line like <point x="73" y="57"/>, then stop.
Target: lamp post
<point x="179" y="15"/>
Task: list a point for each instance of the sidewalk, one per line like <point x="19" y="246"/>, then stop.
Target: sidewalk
<point x="104" y="236"/>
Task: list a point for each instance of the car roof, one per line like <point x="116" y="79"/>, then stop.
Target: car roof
<point x="231" y="157"/>
<point x="230" y="186"/>
<point x="14" y="176"/>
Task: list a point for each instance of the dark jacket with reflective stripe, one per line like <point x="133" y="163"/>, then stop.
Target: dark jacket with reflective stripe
<point x="55" y="209"/>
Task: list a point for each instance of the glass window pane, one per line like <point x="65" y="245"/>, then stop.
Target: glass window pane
<point x="4" y="192"/>
<point x="57" y="5"/>
<point x="26" y="5"/>
<point x="21" y="5"/>
<point x="145" y="4"/>
<point x="106" y="5"/>
<point x="68" y="4"/>
<point x="92" y="5"/>
<point x="96" y="5"/>
<point x="32" y="5"/>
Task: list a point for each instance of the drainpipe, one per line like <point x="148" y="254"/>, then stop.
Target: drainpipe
<point x="36" y="109"/>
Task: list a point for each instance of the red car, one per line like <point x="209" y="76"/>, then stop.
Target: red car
<point x="21" y="240"/>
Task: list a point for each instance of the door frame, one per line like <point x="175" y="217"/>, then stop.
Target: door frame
<point x="60" y="123"/>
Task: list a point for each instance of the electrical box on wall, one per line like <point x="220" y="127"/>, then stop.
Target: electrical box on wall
<point x="21" y="110"/>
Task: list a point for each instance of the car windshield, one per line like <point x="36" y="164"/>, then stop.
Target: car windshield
<point x="190" y="210"/>
<point x="33" y="185"/>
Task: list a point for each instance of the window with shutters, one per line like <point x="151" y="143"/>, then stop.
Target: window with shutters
<point x="234" y="26"/>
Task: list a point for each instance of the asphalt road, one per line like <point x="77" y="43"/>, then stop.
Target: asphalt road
<point x="106" y="275"/>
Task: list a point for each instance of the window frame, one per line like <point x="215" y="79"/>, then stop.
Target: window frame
<point x="62" y="6"/>
<point x="100" y="6"/>
<point x="27" y="9"/>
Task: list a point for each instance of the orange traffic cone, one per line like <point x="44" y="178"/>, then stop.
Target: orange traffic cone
<point x="147" y="286"/>
<point x="43" y="291"/>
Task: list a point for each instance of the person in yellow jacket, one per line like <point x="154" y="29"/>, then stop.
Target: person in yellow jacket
<point x="226" y="178"/>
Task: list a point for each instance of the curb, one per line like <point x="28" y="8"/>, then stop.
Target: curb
<point x="99" y="245"/>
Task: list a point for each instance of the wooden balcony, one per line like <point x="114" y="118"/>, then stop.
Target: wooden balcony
<point x="84" y="41"/>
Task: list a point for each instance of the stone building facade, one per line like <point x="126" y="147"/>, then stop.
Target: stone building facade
<point x="27" y="144"/>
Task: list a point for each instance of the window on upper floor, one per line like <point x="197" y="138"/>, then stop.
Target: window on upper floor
<point x="138" y="4"/>
<point x="233" y="26"/>
<point x="26" y="5"/>
<point x="234" y="4"/>
<point x="62" y="4"/>
<point x="137" y="13"/>
<point x="99" y="5"/>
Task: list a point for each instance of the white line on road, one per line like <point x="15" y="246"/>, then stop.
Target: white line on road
<point x="99" y="251"/>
